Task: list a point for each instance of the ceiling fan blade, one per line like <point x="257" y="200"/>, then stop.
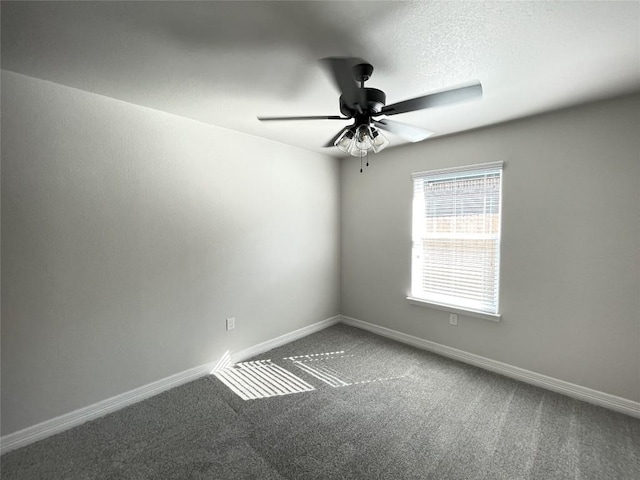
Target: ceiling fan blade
<point x="447" y="97"/>
<point x="404" y="130"/>
<point x="312" y="117"/>
<point x="331" y="142"/>
<point x="340" y="70"/>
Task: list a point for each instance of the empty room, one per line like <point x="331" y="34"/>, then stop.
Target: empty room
<point x="320" y="240"/>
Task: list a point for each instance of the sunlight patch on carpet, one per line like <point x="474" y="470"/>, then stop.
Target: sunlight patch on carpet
<point x="313" y="365"/>
<point x="317" y="365"/>
<point x="261" y="379"/>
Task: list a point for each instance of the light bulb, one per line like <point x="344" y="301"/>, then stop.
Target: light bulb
<point x="357" y="151"/>
<point x="364" y="137"/>
<point x="380" y="142"/>
<point x="345" y="141"/>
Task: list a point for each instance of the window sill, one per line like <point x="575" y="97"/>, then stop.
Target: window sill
<point x="458" y="310"/>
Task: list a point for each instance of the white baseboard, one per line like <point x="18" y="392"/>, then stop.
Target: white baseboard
<point x="595" y="397"/>
<point x="283" y="339"/>
<point x="69" y="420"/>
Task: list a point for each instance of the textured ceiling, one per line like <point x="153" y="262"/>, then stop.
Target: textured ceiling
<point x="224" y="63"/>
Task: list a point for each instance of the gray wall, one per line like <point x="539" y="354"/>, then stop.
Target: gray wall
<point x="570" y="276"/>
<point x="129" y="235"/>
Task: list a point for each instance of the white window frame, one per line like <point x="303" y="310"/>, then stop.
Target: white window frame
<point x="451" y="304"/>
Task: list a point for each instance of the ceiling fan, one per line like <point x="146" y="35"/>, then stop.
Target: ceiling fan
<point x="366" y="105"/>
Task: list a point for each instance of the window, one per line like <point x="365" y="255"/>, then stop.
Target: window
<point x="456" y="238"/>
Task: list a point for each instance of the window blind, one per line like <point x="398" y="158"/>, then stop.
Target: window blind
<point x="456" y="237"/>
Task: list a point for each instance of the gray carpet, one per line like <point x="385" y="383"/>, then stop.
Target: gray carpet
<point x="373" y="409"/>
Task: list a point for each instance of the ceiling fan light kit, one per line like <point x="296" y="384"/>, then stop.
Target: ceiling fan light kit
<point x="358" y="141"/>
<point x="363" y="105"/>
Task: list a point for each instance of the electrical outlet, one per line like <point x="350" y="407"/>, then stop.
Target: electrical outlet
<point x="231" y="323"/>
<point x="453" y="319"/>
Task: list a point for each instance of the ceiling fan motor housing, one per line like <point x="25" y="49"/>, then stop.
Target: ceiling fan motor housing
<point x="375" y="100"/>
<point x="363" y="105"/>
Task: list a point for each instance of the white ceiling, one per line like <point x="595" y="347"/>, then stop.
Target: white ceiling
<point x="224" y="63"/>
